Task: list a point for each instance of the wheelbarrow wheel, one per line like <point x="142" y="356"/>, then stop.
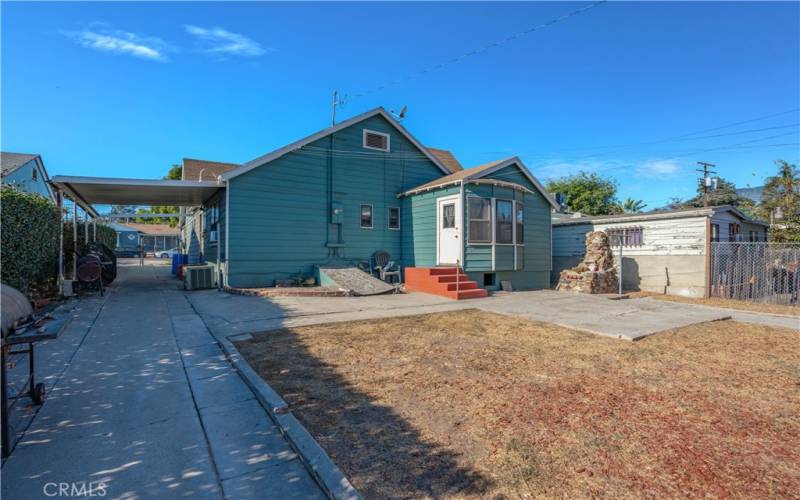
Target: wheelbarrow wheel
<point x="38" y="394"/>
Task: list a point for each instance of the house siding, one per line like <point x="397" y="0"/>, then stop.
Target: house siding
<point x="279" y="212"/>
<point x="22" y="179"/>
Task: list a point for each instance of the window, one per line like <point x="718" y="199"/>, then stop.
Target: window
<point x="753" y="236"/>
<point x="35" y="173"/>
<point x="376" y="140"/>
<point x="627" y="236"/>
<point x="394" y="218"/>
<point x="714" y="232"/>
<point x="366" y="216"/>
<point x="520" y="216"/>
<point x="449" y="216"/>
<point x="504" y="225"/>
<point x="212" y="221"/>
<point x="733" y="231"/>
<point x="480" y="224"/>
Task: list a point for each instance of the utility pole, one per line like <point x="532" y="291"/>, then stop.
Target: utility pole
<point x="706" y="182"/>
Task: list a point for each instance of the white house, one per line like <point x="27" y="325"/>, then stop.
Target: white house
<point x="665" y="251"/>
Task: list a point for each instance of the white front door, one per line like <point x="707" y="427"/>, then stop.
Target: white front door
<point x="448" y="233"/>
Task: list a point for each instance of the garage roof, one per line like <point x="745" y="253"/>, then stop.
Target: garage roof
<point x="117" y="191"/>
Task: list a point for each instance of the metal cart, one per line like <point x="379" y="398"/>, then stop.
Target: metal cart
<point x="20" y="328"/>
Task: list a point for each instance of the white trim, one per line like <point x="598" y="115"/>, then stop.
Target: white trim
<point x="389" y="218"/>
<point x="121" y="181"/>
<point x="491" y="214"/>
<point x="261" y="160"/>
<point x="459" y="225"/>
<point x="371" y="216"/>
<point x="482" y="173"/>
<point x="388" y="137"/>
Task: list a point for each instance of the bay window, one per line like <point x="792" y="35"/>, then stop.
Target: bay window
<point x="504" y="223"/>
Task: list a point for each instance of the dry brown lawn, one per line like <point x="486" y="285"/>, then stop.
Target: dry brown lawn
<point x="787" y="310"/>
<point x="473" y="404"/>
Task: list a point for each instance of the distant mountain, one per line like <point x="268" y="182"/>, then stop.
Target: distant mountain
<point x="753" y="193"/>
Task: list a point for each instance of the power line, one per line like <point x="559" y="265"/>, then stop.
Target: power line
<point x="474" y="52"/>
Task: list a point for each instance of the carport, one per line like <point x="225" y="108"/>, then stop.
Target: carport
<point x="84" y="192"/>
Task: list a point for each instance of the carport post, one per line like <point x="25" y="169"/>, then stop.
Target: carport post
<point x="60" y="204"/>
<point x="85" y="226"/>
<point x="94" y="228"/>
<point x="74" y="240"/>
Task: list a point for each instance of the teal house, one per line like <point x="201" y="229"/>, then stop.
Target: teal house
<point x="366" y="184"/>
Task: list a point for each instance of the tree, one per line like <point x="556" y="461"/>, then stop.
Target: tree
<point x="781" y="192"/>
<point x="587" y="193"/>
<point x="631" y="206"/>
<point x="724" y="194"/>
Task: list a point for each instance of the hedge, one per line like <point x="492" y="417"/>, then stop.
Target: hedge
<point x="29" y="235"/>
<point x="29" y="240"/>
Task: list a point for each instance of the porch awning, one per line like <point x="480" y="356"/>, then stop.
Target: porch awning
<point x="117" y="191"/>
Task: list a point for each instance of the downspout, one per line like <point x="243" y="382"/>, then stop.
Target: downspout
<point x="227" y="231"/>
<point x="463" y="210"/>
<point x="74" y="240"/>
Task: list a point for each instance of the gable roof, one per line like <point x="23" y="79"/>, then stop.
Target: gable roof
<point x="210" y="170"/>
<point x="566" y="220"/>
<point x="274" y="155"/>
<point x="12" y="161"/>
<point x="474" y="173"/>
<point x="447" y="158"/>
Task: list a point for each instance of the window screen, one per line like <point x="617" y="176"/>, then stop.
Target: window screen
<point x="394" y="218"/>
<point x="366" y="216"/>
<point x="504" y="225"/>
<point x="480" y="224"/>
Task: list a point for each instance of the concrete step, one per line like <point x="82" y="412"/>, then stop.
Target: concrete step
<point x="450" y="278"/>
<point x="461" y="285"/>
<point x="469" y="294"/>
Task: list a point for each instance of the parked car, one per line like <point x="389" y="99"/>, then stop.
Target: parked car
<point x="166" y="254"/>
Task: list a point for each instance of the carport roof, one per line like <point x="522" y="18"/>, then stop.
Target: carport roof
<point x="117" y="191"/>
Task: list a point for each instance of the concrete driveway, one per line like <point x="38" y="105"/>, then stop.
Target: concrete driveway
<point x="148" y="407"/>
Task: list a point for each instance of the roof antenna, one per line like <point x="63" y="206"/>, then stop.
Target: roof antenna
<point x="336" y="102"/>
<point x="400" y="116"/>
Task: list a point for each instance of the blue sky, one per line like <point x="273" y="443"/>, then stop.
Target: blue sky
<point x="636" y="91"/>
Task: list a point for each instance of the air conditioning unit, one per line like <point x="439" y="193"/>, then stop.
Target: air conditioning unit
<point x="199" y="278"/>
<point x="212" y="236"/>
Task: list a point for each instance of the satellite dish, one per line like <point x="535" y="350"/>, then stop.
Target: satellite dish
<point x="403" y="112"/>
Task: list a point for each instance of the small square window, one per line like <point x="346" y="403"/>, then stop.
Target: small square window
<point x="366" y="216"/>
<point x="394" y="218"/>
<point x="449" y="216"/>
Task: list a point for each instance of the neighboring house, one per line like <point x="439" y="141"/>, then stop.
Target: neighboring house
<point x="27" y="173"/>
<point x="665" y="251"/>
<point x="751" y="193"/>
<point x="364" y="185"/>
<point x="156" y="237"/>
<point x="127" y="240"/>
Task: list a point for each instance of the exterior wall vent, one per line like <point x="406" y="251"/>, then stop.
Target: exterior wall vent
<point x="376" y="140"/>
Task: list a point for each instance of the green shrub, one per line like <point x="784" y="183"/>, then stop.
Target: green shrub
<point x="29" y="237"/>
<point x="28" y="241"/>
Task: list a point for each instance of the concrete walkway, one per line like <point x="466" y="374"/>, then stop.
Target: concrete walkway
<point x="150" y="408"/>
<point x="628" y="319"/>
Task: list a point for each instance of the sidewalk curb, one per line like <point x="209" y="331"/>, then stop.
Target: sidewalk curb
<point x="311" y="454"/>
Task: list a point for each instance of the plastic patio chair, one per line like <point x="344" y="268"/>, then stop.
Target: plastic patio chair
<point x="386" y="268"/>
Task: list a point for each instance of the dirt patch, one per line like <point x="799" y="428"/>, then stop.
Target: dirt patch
<point x="727" y="303"/>
<point x="474" y="404"/>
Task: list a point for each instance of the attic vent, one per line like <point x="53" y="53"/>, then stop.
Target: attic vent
<point x="376" y="140"/>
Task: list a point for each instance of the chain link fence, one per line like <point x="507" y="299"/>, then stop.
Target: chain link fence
<point x="756" y="271"/>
